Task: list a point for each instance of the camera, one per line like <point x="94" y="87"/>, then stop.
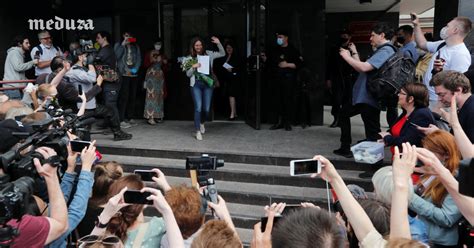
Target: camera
<point x="14" y="198"/>
<point x="466" y="177"/>
<point x="18" y="162"/>
<point x="87" y="46"/>
<point x="203" y="163"/>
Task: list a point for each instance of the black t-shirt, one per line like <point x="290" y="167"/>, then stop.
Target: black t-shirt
<point x="466" y="118"/>
<point x="107" y="56"/>
<point x="288" y="54"/>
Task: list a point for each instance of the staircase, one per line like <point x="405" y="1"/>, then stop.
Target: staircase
<point x="246" y="182"/>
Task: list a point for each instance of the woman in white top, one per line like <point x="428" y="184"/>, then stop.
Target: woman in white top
<point x="202" y="84"/>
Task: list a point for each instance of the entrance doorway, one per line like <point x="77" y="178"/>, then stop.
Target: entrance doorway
<point x="234" y="22"/>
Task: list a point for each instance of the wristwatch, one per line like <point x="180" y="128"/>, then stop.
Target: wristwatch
<point x="100" y="225"/>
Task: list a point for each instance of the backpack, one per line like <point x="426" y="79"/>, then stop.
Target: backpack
<point x="40" y="49"/>
<point x="423" y="63"/>
<point x="385" y="82"/>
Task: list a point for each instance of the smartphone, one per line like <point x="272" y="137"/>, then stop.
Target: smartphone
<point x="290" y="208"/>
<point x="264" y="221"/>
<point x="146" y="175"/>
<point x="414" y="124"/>
<point x="79" y="89"/>
<point x="79" y="145"/>
<point x="137" y="197"/>
<point x="304" y="167"/>
<point x="413" y="17"/>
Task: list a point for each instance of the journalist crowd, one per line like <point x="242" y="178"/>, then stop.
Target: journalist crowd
<point x="57" y="191"/>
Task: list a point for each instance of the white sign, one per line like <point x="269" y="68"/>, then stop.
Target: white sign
<point x="59" y="23"/>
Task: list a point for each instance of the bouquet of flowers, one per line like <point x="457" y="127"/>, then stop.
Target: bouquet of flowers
<point x="188" y="62"/>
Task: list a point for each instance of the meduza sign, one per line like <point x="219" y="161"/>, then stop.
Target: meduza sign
<point x="59" y="23"/>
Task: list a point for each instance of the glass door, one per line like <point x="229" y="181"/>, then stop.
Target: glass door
<point x="256" y="23"/>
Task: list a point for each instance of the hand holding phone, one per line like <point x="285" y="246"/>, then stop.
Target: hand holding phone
<point x="79" y="145"/>
<point x="137" y="197"/>
<point x="264" y="221"/>
<point x="146" y="175"/>
<point x="304" y="167"/>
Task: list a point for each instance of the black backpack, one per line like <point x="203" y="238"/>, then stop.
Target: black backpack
<point x="385" y="82"/>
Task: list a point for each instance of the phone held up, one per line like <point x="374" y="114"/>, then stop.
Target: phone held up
<point x="304" y="167"/>
<point x="137" y="197"/>
<point x="146" y="175"/>
<point x="79" y="145"/>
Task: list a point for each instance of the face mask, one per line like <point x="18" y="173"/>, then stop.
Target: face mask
<point x="157" y="47"/>
<point x="401" y="39"/>
<point x="280" y="41"/>
<point x="443" y="34"/>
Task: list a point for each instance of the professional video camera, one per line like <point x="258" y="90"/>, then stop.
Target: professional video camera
<point x="203" y="162"/>
<point x="203" y="165"/>
<point x="17" y="163"/>
<point x="14" y="199"/>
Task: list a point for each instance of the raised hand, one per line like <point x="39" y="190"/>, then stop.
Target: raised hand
<point x="160" y="180"/>
<point x="328" y="172"/>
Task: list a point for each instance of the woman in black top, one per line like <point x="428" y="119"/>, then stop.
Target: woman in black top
<point x="228" y="72"/>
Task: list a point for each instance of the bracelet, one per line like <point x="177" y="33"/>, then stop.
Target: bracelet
<point x="100" y="225"/>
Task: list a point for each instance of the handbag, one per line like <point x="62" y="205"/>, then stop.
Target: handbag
<point x="109" y="74"/>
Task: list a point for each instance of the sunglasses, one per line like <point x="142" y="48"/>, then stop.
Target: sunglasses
<point x="46" y="38"/>
<point x="111" y="240"/>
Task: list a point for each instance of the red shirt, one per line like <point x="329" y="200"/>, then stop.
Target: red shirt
<point x="396" y="129"/>
<point x="33" y="230"/>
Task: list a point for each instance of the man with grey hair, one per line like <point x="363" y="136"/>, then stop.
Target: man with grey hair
<point x="45" y="52"/>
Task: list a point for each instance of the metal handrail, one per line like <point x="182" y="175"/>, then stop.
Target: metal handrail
<point x="15" y="82"/>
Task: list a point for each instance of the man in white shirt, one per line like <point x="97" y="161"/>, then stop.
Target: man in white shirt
<point x="46" y="52"/>
<point x="454" y="55"/>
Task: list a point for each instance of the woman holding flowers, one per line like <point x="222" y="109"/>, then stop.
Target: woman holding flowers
<point x="202" y="85"/>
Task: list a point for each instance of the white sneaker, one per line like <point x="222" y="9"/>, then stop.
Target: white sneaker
<point x="198" y="135"/>
<point x="203" y="129"/>
<point x="124" y="125"/>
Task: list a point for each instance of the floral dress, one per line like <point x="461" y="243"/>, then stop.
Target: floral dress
<point x="154" y="83"/>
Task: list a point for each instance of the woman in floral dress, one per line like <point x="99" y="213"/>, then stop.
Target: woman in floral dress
<point x="154" y="85"/>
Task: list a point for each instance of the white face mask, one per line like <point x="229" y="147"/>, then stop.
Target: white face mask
<point x="443" y="34"/>
<point x="157" y="47"/>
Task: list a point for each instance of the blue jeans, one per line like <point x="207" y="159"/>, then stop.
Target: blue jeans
<point x="13" y="94"/>
<point x="201" y="92"/>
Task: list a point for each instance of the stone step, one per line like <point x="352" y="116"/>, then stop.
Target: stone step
<point x="239" y="172"/>
<point x="260" y="159"/>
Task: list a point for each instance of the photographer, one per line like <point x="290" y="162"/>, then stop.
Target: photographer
<point x="68" y="96"/>
<point x="37" y="231"/>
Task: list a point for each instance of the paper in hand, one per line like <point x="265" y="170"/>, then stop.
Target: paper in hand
<point x="227" y="66"/>
<point x="204" y="61"/>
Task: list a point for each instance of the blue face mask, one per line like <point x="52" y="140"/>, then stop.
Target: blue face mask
<point x="280" y="41"/>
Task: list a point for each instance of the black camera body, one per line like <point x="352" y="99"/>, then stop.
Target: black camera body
<point x="14" y="198"/>
<point x="203" y="163"/>
<point x="17" y="163"/>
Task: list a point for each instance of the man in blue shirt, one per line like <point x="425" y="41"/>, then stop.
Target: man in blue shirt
<point x="365" y="103"/>
<point x="407" y="40"/>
